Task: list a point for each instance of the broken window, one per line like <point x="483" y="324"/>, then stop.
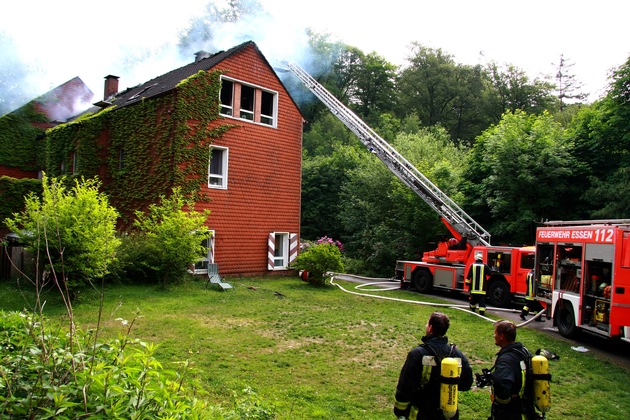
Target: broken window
<point x="227" y="97"/>
<point x="247" y="102"/>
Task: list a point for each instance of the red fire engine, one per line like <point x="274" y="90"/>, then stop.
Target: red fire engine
<point x="583" y="273"/>
<point x="445" y="267"/>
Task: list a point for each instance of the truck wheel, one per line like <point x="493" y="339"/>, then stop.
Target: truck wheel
<point x="422" y="281"/>
<point x="565" y="319"/>
<point x="499" y="293"/>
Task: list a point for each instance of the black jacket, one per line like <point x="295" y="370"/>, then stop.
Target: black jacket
<point x="410" y="392"/>
<point x="507" y="381"/>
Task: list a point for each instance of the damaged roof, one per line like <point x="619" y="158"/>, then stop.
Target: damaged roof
<point x="169" y="81"/>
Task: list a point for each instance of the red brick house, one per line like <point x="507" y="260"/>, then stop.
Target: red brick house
<point x="224" y="126"/>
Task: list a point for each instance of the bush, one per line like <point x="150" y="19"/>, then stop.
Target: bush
<point x="170" y="238"/>
<point x="71" y="228"/>
<point x="47" y="372"/>
<point x="319" y="260"/>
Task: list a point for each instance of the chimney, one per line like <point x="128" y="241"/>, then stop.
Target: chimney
<point x="111" y="86"/>
<point x="200" y="55"/>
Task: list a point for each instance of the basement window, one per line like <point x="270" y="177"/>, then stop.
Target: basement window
<point x="217" y="168"/>
<point x="201" y="266"/>
<point x="281" y="250"/>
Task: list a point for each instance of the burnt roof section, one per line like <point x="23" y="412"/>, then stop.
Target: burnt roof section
<point x="169" y="81"/>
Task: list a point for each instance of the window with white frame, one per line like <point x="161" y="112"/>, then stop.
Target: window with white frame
<point x="248" y="102"/>
<point x="201" y="266"/>
<point x="218" y="168"/>
<point x="227" y="97"/>
<point x="281" y="250"/>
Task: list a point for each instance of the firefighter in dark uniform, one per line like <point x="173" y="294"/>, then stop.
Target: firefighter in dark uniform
<point x="418" y="390"/>
<point x="508" y="374"/>
<point x="476" y="280"/>
<point x="531" y="304"/>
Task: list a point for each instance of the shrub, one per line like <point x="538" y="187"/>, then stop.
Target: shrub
<point x="318" y="260"/>
<point x="171" y="237"/>
<point x="72" y="228"/>
<point x="44" y="374"/>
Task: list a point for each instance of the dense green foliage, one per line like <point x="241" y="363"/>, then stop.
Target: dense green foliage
<point x="21" y="144"/>
<point x="46" y="375"/>
<point x="13" y="191"/>
<point x="71" y="230"/>
<point x="170" y="236"/>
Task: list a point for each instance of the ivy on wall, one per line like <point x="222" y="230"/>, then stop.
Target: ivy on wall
<point x="13" y="192"/>
<point x="20" y="142"/>
<point x="149" y="147"/>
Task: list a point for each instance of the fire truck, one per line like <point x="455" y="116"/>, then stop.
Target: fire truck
<point x="583" y="274"/>
<point x="446" y="266"/>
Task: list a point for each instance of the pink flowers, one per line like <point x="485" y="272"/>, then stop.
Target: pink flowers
<point x="327" y="240"/>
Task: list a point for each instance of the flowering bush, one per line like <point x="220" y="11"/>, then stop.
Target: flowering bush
<point x="327" y="240"/>
<point x="320" y="258"/>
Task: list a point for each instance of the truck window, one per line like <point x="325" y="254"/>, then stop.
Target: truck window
<point x="527" y="261"/>
<point x="500" y="261"/>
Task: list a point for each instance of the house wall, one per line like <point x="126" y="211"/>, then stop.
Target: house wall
<point x="264" y="176"/>
<point x="17" y="172"/>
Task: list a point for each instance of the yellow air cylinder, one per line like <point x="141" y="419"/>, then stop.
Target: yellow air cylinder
<point x="448" y="388"/>
<point x="542" y="388"/>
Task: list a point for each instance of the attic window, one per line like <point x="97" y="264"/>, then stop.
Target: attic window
<point x="227" y="96"/>
<point x="248" y="102"/>
<point x="137" y="95"/>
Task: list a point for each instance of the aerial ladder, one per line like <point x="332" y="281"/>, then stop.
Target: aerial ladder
<point x="459" y="223"/>
<point x="446" y="266"/>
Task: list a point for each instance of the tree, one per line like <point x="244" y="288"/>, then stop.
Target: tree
<point x="428" y="86"/>
<point x="172" y="235"/>
<point x="322" y="181"/>
<point x="513" y="90"/>
<point x="384" y="219"/>
<point x="440" y="91"/>
<point x="72" y="229"/>
<point x="520" y="171"/>
<point x="601" y="133"/>
<point x="567" y="86"/>
<point x="372" y="91"/>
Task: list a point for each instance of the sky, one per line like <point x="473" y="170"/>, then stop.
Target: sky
<point x="58" y="40"/>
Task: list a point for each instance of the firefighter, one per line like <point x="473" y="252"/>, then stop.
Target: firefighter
<point x="419" y="384"/>
<point x="476" y="281"/>
<point x="531" y="304"/>
<point x="508" y="374"/>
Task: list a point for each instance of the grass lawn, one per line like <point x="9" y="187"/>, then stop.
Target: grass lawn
<point x="319" y="353"/>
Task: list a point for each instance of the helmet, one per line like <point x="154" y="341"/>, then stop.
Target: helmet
<point x="478" y="256"/>
<point x="602" y="286"/>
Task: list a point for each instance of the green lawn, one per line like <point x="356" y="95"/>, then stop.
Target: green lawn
<point x="319" y="353"/>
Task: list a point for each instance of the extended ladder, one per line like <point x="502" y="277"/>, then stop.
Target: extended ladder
<point x="460" y="221"/>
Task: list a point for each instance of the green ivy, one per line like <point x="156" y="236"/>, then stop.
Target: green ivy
<point x="13" y="191"/>
<point x="164" y="143"/>
<point x="19" y="138"/>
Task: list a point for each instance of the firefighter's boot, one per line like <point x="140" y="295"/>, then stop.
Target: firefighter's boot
<point x="524" y="313"/>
